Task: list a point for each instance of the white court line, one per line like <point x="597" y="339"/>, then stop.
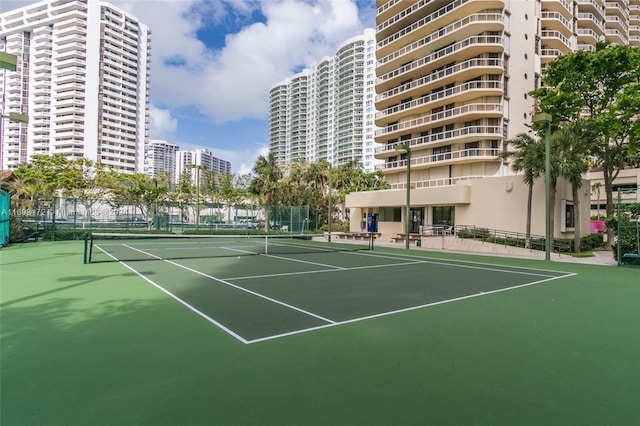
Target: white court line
<point x="412" y="308"/>
<point x="262" y="296"/>
<point x="337" y="268"/>
<point x="471" y="264"/>
<point x="336" y="323"/>
<point x="320" y="271"/>
<point x="179" y="300"/>
<point x="391" y="265"/>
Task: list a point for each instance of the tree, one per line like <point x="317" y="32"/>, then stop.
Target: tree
<point x="141" y="191"/>
<point x="572" y="159"/>
<point x="230" y="191"/>
<point x="595" y="189"/>
<point x="183" y="192"/>
<point x="525" y="160"/>
<point x="265" y="181"/>
<point x="603" y="86"/>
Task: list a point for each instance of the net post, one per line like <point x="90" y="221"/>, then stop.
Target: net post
<point x="90" y="239"/>
<point x="266" y="244"/>
<point x="86" y="248"/>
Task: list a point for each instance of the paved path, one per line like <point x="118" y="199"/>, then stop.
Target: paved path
<point x="603" y="257"/>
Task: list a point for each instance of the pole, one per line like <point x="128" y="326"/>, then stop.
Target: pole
<point x="408" y="213"/>
<point x="618" y="248"/>
<point x="197" y="197"/>
<point x="547" y="182"/>
<point x="329" y="216"/>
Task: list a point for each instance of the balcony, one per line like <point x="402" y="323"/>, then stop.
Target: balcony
<point x="557" y="21"/>
<point x="561" y="6"/>
<point x="556" y="40"/>
<point x="461" y="93"/>
<point x="588" y="36"/>
<point x="589" y="20"/>
<point x="593" y="6"/>
<point x="615" y="22"/>
<point x="428" y="24"/>
<point x="472" y="46"/>
<point x="616" y="37"/>
<point x="465" y="156"/>
<point x="414" y="50"/>
<point x="617" y="8"/>
<point x="587" y="47"/>
<point x="390" y="8"/>
<point x="461" y="135"/>
<point x="550" y="54"/>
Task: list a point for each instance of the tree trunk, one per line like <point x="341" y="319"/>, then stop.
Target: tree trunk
<point x="527" y="237"/>
<point x="267" y="199"/>
<point x="576" y="218"/>
<point x="609" y="209"/>
<point x="552" y="213"/>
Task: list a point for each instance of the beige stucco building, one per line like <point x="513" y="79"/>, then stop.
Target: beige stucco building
<point x="453" y="79"/>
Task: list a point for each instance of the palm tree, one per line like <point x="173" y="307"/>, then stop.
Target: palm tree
<point x="573" y="140"/>
<point x="526" y="160"/>
<point x="268" y="174"/>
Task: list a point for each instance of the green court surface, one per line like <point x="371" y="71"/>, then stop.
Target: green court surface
<point x="374" y="337"/>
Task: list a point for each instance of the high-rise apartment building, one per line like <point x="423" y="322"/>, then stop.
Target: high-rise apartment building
<point x="327" y="112"/>
<point x="160" y="159"/>
<point x="83" y="80"/>
<point x="199" y="160"/>
<point x="453" y="79"/>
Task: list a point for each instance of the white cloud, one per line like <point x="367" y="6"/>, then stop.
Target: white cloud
<point x="248" y="161"/>
<point x="162" y="125"/>
<point x="233" y="82"/>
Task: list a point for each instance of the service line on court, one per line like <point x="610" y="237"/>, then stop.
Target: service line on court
<point x="262" y="296"/>
<point x="415" y="260"/>
<point x="483" y="266"/>
<point x="330" y="323"/>
<point x="411" y="308"/>
<point x="179" y="300"/>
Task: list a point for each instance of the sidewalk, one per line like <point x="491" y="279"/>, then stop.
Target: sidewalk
<point x="602" y="257"/>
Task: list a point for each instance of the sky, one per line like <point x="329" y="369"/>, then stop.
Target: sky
<point x="214" y="62"/>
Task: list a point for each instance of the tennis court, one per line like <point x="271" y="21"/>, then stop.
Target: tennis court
<point x="295" y="285"/>
<point x="314" y="335"/>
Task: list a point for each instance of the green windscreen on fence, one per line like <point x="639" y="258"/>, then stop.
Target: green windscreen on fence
<point x="5" y="217"/>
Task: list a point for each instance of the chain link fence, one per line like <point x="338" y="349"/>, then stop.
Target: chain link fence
<point x="58" y="218"/>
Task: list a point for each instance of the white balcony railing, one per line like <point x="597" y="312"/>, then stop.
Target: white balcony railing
<point x="471" y="41"/>
<point x="478" y="132"/>
<point x="478" y="17"/>
<point x="483" y="108"/>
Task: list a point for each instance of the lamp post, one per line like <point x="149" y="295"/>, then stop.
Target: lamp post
<point x="330" y="216"/>
<point x="405" y="148"/>
<point x="545" y="118"/>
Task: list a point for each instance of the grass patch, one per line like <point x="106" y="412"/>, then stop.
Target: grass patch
<point x="582" y="254"/>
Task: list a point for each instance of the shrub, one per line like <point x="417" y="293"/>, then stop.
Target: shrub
<point x="589" y="242"/>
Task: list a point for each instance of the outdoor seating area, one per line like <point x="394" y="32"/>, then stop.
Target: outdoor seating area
<point x="356" y="235"/>
<point x="436" y="230"/>
<point x="403" y="237"/>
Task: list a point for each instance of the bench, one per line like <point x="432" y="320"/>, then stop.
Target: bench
<point x="403" y="237"/>
<point x="357" y="235"/>
<point x="631" y="256"/>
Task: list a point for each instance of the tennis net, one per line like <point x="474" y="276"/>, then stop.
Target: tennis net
<point x="114" y="247"/>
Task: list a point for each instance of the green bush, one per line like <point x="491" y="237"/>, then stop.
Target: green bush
<point x="589" y="242"/>
<point x="475" y="233"/>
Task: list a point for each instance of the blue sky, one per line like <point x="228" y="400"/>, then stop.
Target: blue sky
<point x="213" y="63"/>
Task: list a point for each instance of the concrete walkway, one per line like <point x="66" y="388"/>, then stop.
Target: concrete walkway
<point x="459" y="245"/>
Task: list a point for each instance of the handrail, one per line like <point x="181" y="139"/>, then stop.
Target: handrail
<point x="510" y="238"/>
